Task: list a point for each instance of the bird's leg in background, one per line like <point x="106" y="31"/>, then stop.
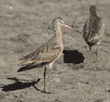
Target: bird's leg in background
<point x="89" y="48"/>
<point x="96" y="54"/>
<point x="44" y="78"/>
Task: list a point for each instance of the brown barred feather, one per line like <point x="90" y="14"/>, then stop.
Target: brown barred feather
<point x="94" y="28"/>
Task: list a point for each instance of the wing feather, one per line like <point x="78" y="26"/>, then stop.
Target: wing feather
<point x="45" y="54"/>
<point x="93" y="33"/>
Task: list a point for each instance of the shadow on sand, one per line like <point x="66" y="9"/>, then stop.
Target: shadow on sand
<point x="73" y="56"/>
<point x="19" y="85"/>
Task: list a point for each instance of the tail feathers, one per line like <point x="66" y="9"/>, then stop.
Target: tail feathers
<point x="24" y="58"/>
<point x="26" y="66"/>
<point x="28" y="56"/>
<point x="27" y="63"/>
<point x="31" y="66"/>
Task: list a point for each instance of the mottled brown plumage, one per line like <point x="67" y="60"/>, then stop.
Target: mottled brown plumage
<point x="49" y="52"/>
<point x="45" y="54"/>
<point x="94" y="28"/>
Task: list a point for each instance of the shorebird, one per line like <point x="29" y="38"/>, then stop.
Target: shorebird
<point x="94" y="29"/>
<point x="48" y="53"/>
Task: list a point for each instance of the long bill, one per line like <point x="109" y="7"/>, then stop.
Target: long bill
<point x="71" y="28"/>
<point x="67" y="26"/>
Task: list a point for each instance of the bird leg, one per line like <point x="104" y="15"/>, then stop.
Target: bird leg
<point x="49" y="77"/>
<point x="90" y="48"/>
<point x="49" y="81"/>
<point x="96" y="53"/>
<point x="44" y="79"/>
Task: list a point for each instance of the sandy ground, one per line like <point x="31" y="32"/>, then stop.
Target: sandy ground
<point x="27" y="24"/>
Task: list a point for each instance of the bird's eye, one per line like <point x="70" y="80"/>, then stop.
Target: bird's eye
<point x="61" y="22"/>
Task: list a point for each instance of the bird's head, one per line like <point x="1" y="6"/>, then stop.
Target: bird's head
<point x="92" y="9"/>
<point x="59" y="22"/>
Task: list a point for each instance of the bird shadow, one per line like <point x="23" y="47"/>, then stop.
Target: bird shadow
<point x="19" y="85"/>
<point x="73" y="56"/>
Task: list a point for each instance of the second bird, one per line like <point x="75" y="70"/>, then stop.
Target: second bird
<point x="94" y="28"/>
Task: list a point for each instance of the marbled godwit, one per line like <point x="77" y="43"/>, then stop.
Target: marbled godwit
<point x="94" y="29"/>
<point x="47" y="53"/>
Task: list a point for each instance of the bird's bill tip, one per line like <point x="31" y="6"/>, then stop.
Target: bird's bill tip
<point x="67" y="26"/>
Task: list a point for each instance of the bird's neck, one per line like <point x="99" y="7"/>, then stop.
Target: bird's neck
<point x="58" y="33"/>
<point x="93" y="14"/>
